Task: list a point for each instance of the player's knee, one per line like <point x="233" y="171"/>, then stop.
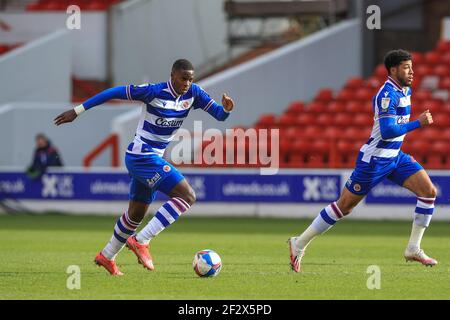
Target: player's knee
<point x="431" y="192"/>
<point x="190" y="197"/>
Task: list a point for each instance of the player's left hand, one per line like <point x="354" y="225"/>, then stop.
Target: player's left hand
<point x="67" y="116"/>
<point x="227" y="102"/>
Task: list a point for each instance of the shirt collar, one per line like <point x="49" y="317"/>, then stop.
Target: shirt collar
<point x="395" y="84"/>
<point x="172" y="89"/>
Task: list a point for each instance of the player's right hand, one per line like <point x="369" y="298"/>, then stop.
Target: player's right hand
<point x="425" y="118"/>
<point x="67" y="116"/>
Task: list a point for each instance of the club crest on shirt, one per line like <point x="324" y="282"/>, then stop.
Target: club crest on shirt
<point x="385" y="103"/>
<point x="185" y="104"/>
<point x="166" y="168"/>
<point x="357" y="187"/>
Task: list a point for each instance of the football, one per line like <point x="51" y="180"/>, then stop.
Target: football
<point x="207" y="263"/>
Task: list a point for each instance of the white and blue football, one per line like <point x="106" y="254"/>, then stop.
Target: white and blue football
<point x="207" y="263"/>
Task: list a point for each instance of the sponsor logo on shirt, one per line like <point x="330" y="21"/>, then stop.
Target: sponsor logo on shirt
<point x="165" y="123"/>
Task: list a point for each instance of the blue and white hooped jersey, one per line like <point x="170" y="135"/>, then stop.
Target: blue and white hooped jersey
<point x="163" y="114"/>
<point x="390" y="101"/>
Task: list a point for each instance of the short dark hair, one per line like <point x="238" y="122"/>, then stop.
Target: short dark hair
<point x="394" y="57"/>
<point x="182" y="64"/>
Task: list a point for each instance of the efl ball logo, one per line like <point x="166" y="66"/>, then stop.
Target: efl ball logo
<point x="207" y="263"/>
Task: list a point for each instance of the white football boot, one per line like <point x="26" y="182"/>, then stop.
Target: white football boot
<point x="419" y="256"/>
<point x="296" y="254"/>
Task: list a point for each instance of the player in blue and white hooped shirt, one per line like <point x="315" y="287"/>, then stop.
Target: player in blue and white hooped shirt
<point x="166" y="105"/>
<point x="382" y="158"/>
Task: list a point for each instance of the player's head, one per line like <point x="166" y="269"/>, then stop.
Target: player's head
<point x="182" y="75"/>
<point x="399" y="66"/>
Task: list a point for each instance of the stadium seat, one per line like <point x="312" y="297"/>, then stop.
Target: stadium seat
<point x="312" y="131"/>
<point x="345" y="95"/>
<point x="444" y="83"/>
<point x="417" y="58"/>
<point x="354" y="107"/>
<point x="4" y="48"/>
<point x="297" y="154"/>
<point x="333" y="132"/>
<point x="374" y="82"/>
<point x="356" y="133"/>
<point x="438" y="152"/>
<point x="305" y="119"/>
<point x="325" y="119"/>
<point x="316" y="107"/>
<point x="354" y="83"/>
<point x="286" y="120"/>
<point x="363" y="120"/>
<point x="296" y="107"/>
<point x="423" y="70"/>
<point x="343" y="120"/>
<point x="335" y="107"/>
<point x="364" y="94"/>
<point x="441" y="120"/>
<point x="441" y="70"/>
<point x="432" y="58"/>
<point x="445" y="59"/>
<point x="319" y="154"/>
<point x="324" y="95"/>
<point x="443" y="46"/>
<point x="380" y="71"/>
<point x="267" y="120"/>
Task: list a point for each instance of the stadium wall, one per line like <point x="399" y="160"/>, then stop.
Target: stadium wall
<point x="38" y="71"/>
<point x="20" y="122"/>
<point x="220" y="192"/>
<point x="146" y="39"/>
<point x="87" y="46"/>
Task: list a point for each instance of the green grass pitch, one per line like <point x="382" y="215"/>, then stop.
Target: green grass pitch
<point x="35" y="252"/>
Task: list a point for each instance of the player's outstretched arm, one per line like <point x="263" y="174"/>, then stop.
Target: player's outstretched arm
<point x="102" y="97"/>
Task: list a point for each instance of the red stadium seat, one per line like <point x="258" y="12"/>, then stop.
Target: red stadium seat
<point x="434" y="105"/>
<point x="343" y="120"/>
<point x="267" y="120"/>
<point x="446" y="58"/>
<point x="295" y="107"/>
<point x="432" y="58"/>
<point x="325" y="119"/>
<point x="423" y="70"/>
<point x="364" y="94"/>
<point x="286" y="120"/>
<point x="345" y="95"/>
<point x="431" y="133"/>
<point x="319" y="154"/>
<point x="353" y="107"/>
<point x="443" y="46"/>
<point x="363" y="120"/>
<point x="335" y="107"/>
<point x="313" y="131"/>
<point x="97" y="6"/>
<point x="441" y="70"/>
<point x="422" y="95"/>
<point x="292" y="134"/>
<point x="324" y="95"/>
<point x="298" y="151"/>
<point x="316" y="107"/>
<point x="444" y="83"/>
<point x="356" y="133"/>
<point x="354" y="83"/>
<point x="4" y="48"/>
<point x="380" y="71"/>
<point x="374" y="82"/>
<point x="441" y="120"/>
<point x="333" y="132"/>
<point x="436" y="157"/>
<point x="417" y="58"/>
<point x="305" y="119"/>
